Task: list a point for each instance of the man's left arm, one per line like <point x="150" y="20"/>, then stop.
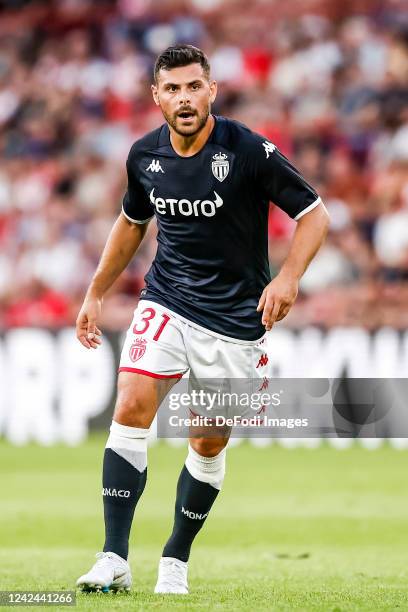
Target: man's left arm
<point x="278" y="297"/>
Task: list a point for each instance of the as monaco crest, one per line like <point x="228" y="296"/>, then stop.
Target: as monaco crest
<point x="138" y="349"/>
<point x="220" y="166"/>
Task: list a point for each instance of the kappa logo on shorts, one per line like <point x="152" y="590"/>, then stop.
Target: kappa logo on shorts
<point x="263" y="361"/>
<point x="138" y="349"/>
<point x="265" y="384"/>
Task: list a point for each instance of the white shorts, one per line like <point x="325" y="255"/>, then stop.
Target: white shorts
<point x="162" y="344"/>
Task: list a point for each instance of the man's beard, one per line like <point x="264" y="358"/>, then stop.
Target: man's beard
<point x="187" y="130"/>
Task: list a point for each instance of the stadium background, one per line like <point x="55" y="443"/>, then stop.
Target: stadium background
<point x="325" y="80"/>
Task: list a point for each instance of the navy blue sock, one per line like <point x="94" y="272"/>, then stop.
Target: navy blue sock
<point x="123" y="485"/>
<point x="193" y="503"/>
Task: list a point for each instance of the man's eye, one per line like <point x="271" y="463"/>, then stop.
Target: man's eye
<point x="171" y="88"/>
<point x="195" y="86"/>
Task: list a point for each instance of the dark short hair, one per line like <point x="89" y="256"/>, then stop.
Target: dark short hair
<point x="181" y="55"/>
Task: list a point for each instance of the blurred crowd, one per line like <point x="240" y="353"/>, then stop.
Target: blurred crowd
<point x="325" y="80"/>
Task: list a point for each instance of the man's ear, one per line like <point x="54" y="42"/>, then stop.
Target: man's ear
<point x="155" y="95"/>
<point x="213" y="91"/>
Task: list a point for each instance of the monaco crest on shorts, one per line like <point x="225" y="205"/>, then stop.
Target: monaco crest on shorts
<point x="220" y="166"/>
<point x="138" y="349"/>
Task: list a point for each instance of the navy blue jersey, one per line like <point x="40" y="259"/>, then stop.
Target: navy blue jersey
<point x="211" y="208"/>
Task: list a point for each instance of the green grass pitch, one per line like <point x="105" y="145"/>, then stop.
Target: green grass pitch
<point x="292" y="529"/>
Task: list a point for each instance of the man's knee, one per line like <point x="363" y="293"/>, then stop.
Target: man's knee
<point x="135" y="405"/>
<point x="207" y="446"/>
<point x="138" y="399"/>
<point x="133" y="411"/>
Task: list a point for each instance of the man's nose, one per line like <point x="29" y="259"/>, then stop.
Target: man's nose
<point x="184" y="96"/>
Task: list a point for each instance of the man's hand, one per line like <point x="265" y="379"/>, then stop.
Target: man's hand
<point x="86" y="325"/>
<point x="122" y="244"/>
<point x="277" y="299"/>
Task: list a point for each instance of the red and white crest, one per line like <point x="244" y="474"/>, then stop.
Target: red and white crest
<point x="138" y="349"/>
<point x="220" y="166"/>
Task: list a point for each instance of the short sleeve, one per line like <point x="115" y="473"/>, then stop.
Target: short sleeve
<point x="136" y="206"/>
<point x="280" y="181"/>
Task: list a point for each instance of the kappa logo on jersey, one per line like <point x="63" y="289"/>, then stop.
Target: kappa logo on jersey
<point x="138" y="349"/>
<point x="269" y="148"/>
<point x="155" y="166"/>
<point x="263" y="361"/>
<point x="185" y="207"/>
<point x="220" y="166"/>
<point x="193" y="515"/>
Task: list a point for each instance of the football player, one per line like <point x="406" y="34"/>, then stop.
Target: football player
<point x="208" y="300"/>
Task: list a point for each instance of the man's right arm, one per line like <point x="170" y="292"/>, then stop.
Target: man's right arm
<point x="123" y="242"/>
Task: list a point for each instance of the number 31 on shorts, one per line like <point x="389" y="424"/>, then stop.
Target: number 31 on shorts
<point x="149" y="319"/>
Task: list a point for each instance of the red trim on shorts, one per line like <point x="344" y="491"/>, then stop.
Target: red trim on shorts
<point x="151" y="374"/>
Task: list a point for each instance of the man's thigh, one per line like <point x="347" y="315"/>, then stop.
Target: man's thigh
<point x="152" y="361"/>
<point x="139" y="398"/>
